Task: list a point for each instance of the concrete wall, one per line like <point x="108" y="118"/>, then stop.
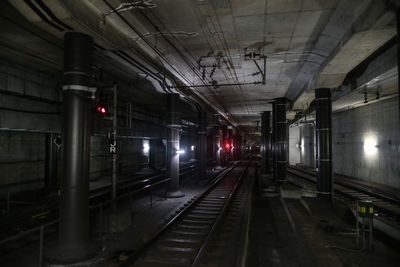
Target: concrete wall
<point x="31" y="105"/>
<point x="366" y="142"/>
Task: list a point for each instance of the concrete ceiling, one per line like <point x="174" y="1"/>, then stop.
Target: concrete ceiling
<point x="306" y="43"/>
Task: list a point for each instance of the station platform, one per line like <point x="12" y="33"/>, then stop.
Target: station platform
<point x="305" y="232"/>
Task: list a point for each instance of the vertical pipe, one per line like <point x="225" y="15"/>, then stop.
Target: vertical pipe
<point x="280" y="140"/>
<point x="114" y="136"/>
<point x="50" y="162"/>
<point x="265" y="148"/>
<point x="173" y="146"/>
<point x="73" y="240"/>
<point x="202" y="131"/>
<point x="323" y="132"/>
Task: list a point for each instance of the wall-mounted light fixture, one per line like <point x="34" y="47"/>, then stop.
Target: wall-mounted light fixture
<point x="370" y="146"/>
<point x="180" y="151"/>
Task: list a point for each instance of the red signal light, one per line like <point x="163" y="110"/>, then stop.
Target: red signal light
<point x="101" y="109"/>
<point x="227" y="145"/>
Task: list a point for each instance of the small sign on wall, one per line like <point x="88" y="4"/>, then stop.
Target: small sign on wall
<point x="112" y="144"/>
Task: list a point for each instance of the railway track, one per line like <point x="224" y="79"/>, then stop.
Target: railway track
<point x="206" y="231"/>
<point x="386" y="207"/>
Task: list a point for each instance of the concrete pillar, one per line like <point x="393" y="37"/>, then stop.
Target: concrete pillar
<point x="51" y="162"/>
<point x="217" y="145"/>
<point x="280" y="143"/>
<point x="74" y="205"/>
<point x="398" y="57"/>
<point x="265" y="138"/>
<point x="173" y="146"/>
<point x="202" y="131"/>
<point x="323" y="133"/>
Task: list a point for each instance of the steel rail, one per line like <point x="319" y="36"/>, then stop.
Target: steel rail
<point x="136" y="255"/>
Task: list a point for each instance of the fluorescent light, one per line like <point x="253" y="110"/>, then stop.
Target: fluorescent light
<point x="192" y="148"/>
<point x="180" y="151"/>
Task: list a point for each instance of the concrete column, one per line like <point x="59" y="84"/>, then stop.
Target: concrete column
<point x="398" y="57"/>
<point x="217" y="145"/>
<point x="51" y="162"/>
<point x="265" y="138"/>
<point x="173" y="146"/>
<point x="202" y="121"/>
<point x="323" y="133"/>
<point x="74" y="205"/>
<point x="280" y="143"/>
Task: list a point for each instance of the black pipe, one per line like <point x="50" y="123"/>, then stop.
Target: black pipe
<point x="173" y="146"/>
<point x="51" y="162"/>
<point x="202" y="143"/>
<point x="280" y="145"/>
<point x="323" y="134"/>
<point x="265" y="135"/>
<point x="74" y="205"/>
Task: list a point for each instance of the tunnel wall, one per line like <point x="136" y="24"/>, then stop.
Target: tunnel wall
<point x="366" y="143"/>
<point x="355" y="134"/>
<point x="31" y="105"/>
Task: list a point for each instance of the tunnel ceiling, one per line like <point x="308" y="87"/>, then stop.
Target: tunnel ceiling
<point x="235" y="55"/>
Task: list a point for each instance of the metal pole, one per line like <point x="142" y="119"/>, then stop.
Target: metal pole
<point x="173" y="146"/>
<point x="323" y="113"/>
<point x="74" y="202"/>
<point x="114" y="155"/>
